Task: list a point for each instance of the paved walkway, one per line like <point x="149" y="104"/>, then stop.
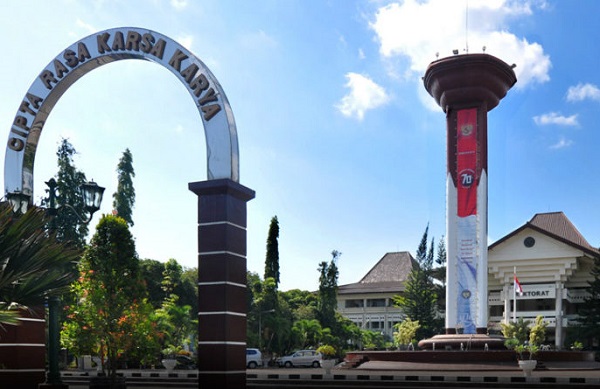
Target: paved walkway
<point x="382" y="373"/>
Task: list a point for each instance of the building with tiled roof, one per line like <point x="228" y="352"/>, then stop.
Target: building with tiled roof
<point x="369" y="302"/>
<point x="553" y="263"/>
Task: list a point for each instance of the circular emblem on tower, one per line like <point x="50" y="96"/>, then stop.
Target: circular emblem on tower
<point x="467" y="177"/>
<point x="466" y="129"/>
<point x="466" y="294"/>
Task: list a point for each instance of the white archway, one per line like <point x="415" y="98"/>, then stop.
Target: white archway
<point x="105" y="47"/>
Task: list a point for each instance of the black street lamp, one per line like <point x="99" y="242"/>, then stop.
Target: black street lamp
<point x="92" y="197"/>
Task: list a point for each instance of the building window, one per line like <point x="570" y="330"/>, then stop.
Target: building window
<point x="529" y="241"/>
<point x="376" y="303"/>
<point x="358" y="303"/>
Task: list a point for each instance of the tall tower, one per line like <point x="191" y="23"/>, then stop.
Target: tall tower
<point x="466" y="87"/>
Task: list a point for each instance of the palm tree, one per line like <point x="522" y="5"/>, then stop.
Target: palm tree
<point x="33" y="265"/>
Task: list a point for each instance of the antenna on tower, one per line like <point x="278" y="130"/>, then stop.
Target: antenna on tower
<point x="467" y="26"/>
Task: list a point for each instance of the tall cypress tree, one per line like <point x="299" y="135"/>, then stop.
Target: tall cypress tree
<point x="418" y="302"/>
<point x="589" y="316"/>
<point x="124" y="197"/>
<point x="328" y="290"/>
<point x="69" y="179"/>
<point x="272" y="257"/>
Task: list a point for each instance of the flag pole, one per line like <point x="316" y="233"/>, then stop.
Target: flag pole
<point x="515" y="295"/>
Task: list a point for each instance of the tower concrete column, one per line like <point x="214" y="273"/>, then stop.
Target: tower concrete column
<point x="466" y="87"/>
<point x="222" y="295"/>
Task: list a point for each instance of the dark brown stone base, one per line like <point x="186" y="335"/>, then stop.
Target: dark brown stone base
<point x="21" y="380"/>
<point x="467" y="357"/>
<point x="463" y="342"/>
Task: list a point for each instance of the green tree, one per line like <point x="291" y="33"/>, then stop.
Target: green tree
<point x="328" y="287"/>
<point x="69" y="179"/>
<point x="537" y="333"/>
<point x="187" y="290"/>
<point x="184" y="283"/>
<point x="439" y="273"/>
<point x="347" y="334"/>
<point x="171" y="276"/>
<point x="308" y="333"/>
<point x="372" y="340"/>
<point x="302" y="303"/>
<point x="152" y="274"/>
<point x="406" y="332"/>
<point x="253" y="291"/>
<point x="124" y="197"/>
<point x="34" y="263"/>
<point x="110" y="307"/>
<point x="175" y="322"/>
<point x="272" y="257"/>
<point x="589" y="315"/>
<point x="518" y="330"/>
<point x="419" y="299"/>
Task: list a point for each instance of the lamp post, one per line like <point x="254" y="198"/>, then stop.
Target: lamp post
<point x="92" y="197"/>
<point x="260" y="326"/>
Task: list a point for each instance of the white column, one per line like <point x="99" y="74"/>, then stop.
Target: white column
<point x="507" y="296"/>
<point x="559" y="316"/>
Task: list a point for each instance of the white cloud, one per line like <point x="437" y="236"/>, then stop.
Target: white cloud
<point x="87" y="27"/>
<point x="420" y="29"/>
<point x="555" y="118"/>
<point x="364" y="95"/>
<point x="186" y="41"/>
<point x="179" y="4"/>
<point x="561" y="144"/>
<point x="582" y="92"/>
<point x="361" y="54"/>
<point x="259" y="40"/>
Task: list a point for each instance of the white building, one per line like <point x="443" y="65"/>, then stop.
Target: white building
<point x="553" y="263"/>
<point x="369" y="302"/>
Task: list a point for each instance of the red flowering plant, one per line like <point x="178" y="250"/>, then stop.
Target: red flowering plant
<point x="111" y="317"/>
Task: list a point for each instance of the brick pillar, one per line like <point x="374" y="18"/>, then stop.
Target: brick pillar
<point x="23" y="351"/>
<point x="221" y="283"/>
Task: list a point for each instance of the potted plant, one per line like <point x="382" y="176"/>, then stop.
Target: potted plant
<point x="527" y="365"/>
<point x="169" y="360"/>
<point x="405" y="334"/>
<point x="577" y="346"/>
<point x="328" y="354"/>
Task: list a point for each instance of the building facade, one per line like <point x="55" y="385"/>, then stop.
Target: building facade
<point x="552" y="260"/>
<point x="369" y="302"/>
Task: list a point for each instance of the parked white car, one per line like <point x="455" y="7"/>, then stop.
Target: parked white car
<point x="301" y="358"/>
<point x="253" y="358"/>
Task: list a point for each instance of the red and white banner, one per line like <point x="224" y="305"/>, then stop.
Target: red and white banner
<point x="466" y="161"/>
<point x="466" y="220"/>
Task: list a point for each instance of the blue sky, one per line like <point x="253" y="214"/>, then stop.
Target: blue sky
<point x="337" y="134"/>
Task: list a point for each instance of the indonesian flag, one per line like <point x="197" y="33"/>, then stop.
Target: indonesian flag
<point x="518" y="287"/>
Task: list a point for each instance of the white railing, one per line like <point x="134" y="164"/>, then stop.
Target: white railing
<point x="577" y="295"/>
<point x="549" y="320"/>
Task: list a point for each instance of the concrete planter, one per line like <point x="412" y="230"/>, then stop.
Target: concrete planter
<point x="328" y="364"/>
<point x="527" y="366"/>
<point x="169" y="364"/>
